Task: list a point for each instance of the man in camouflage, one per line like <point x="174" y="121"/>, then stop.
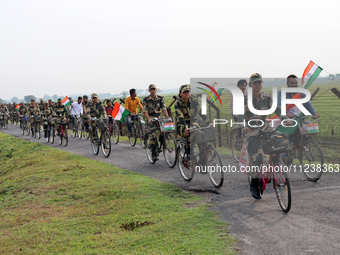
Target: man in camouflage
<point x="153" y="106"/>
<point x="47" y="113"/>
<point x="34" y="113"/>
<point x="96" y="109"/>
<point x="261" y="101"/>
<point x="4" y="111"/>
<point x="41" y="105"/>
<point x="60" y="112"/>
<point x="22" y="112"/>
<point x="50" y="104"/>
<point x="187" y="109"/>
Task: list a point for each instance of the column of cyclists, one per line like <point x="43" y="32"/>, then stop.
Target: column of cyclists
<point x="187" y="140"/>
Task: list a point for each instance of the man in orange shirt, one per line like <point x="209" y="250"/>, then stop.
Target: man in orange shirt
<point x="131" y="104"/>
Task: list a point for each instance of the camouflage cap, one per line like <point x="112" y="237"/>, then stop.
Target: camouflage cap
<point x="255" y="77"/>
<point x="32" y="100"/>
<point x="41" y="100"/>
<point x="94" y="95"/>
<point x="152" y="86"/>
<point x="85" y="97"/>
<point x="59" y="100"/>
<point x="46" y="102"/>
<point x="49" y="100"/>
<point x="183" y="88"/>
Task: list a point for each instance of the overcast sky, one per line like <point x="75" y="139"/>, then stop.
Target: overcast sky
<point x="70" y="47"/>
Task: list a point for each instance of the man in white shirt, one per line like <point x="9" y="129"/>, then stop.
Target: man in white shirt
<point x="76" y="109"/>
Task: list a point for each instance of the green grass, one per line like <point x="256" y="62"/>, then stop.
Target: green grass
<point x="54" y="202"/>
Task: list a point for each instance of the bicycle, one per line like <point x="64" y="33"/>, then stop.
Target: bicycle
<point x="137" y="131"/>
<point x="207" y="156"/>
<point x="309" y="151"/>
<point x="113" y="129"/>
<point x="84" y="132"/>
<point x="236" y="143"/>
<point x="76" y="130"/>
<point x="167" y="142"/>
<point x="24" y="124"/>
<point x="273" y="145"/>
<point x="104" y="140"/>
<point x="4" y="121"/>
<point x="49" y="130"/>
<point x="36" y="130"/>
<point x="63" y="136"/>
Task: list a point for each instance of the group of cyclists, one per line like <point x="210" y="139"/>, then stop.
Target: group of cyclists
<point x="153" y="106"/>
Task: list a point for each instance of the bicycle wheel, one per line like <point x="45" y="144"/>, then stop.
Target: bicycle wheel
<point x="38" y="131"/>
<point x="236" y="144"/>
<point x="95" y="142"/>
<point x="106" y="143"/>
<point x="65" y="136"/>
<point x="142" y="134"/>
<point x="133" y="135"/>
<point x="61" y="136"/>
<point x="115" y="134"/>
<point x="6" y="124"/>
<point x="148" y="150"/>
<point x="214" y="165"/>
<point x="28" y="129"/>
<point x="282" y="186"/>
<point x="86" y="132"/>
<point x="311" y="160"/>
<point x="169" y="150"/>
<point x="185" y="167"/>
<point x="52" y="133"/>
<point x="23" y="128"/>
<point x="47" y="133"/>
<point x="74" y="132"/>
<point x="80" y="129"/>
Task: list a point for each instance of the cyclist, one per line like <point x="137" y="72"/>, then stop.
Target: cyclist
<point x="4" y="110"/>
<point x="41" y="105"/>
<point x="131" y="104"/>
<point x="33" y="110"/>
<point x="60" y="112"/>
<point x="186" y="109"/>
<point x="261" y="101"/>
<point x="242" y="84"/>
<point x="50" y="104"/>
<point x="76" y="110"/>
<point x="47" y="113"/>
<point x="22" y="112"/>
<point x="84" y="104"/>
<point x="153" y="105"/>
<point x="109" y="109"/>
<point x="95" y="108"/>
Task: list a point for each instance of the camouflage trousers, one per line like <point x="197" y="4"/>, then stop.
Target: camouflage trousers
<point x="151" y="130"/>
<point x="252" y="141"/>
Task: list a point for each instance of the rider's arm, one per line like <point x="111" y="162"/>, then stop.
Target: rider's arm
<point x="139" y="104"/>
<point x="180" y="116"/>
<point x="163" y="108"/>
<point x="127" y="103"/>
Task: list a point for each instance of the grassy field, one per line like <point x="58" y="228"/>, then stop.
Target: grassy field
<point x="54" y="202"/>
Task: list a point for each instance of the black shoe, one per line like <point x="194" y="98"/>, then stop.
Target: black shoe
<point x="254" y="188"/>
<point x="154" y="155"/>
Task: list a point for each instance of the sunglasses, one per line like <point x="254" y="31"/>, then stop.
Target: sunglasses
<point x="152" y="89"/>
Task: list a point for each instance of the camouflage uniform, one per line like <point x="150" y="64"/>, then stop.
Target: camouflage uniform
<point x="47" y="113"/>
<point x="61" y="113"/>
<point x="154" y="107"/>
<point x="35" y="112"/>
<point x="252" y="138"/>
<point x="4" y="110"/>
<point x="95" y="110"/>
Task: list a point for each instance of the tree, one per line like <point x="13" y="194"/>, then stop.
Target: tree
<point x="124" y="94"/>
<point x="46" y="97"/>
<point x="331" y="77"/>
<point x="1" y="101"/>
<point x="15" y="99"/>
<point x="55" y="98"/>
<point x="29" y="98"/>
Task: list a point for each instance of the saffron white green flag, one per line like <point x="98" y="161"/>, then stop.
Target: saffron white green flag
<point x="66" y="101"/>
<point x="119" y="112"/>
<point x="312" y="71"/>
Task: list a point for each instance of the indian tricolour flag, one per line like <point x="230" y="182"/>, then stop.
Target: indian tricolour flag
<point x="17" y="107"/>
<point x="119" y="112"/>
<point x="312" y="71"/>
<point x="169" y="126"/>
<point x="66" y="101"/>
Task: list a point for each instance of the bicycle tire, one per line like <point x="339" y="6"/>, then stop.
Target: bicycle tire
<point x="235" y="148"/>
<point x="115" y="133"/>
<point x="186" y="168"/>
<point x="23" y="128"/>
<point x="52" y="133"/>
<point x="213" y="159"/>
<point x="106" y="143"/>
<point x="95" y="142"/>
<point x="27" y="129"/>
<point x="133" y="136"/>
<point x="80" y="129"/>
<point x="170" y="150"/>
<point x="142" y="135"/>
<point x="309" y="155"/>
<point x="282" y="186"/>
<point x="148" y="150"/>
<point x="65" y="136"/>
<point x="38" y="131"/>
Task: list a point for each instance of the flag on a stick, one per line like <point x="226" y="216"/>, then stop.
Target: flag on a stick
<point x="119" y="112"/>
<point x="66" y="101"/>
<point x="312" y="71"/>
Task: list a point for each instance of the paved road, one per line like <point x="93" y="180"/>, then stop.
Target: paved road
<point x="311" y="227"/>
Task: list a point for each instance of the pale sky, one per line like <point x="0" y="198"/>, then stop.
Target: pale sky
<point x="76" y="47"/>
